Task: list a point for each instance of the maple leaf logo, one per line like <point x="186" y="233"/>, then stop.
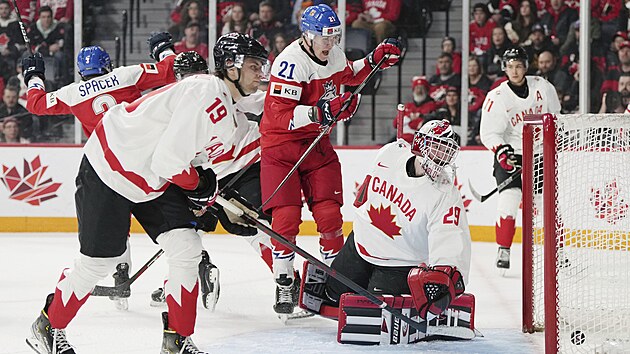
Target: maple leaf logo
<point x="608" y="204"/>
<point x="383" y="219"/>
<point x="29" y="187"/>
<point x="465" y="200"/>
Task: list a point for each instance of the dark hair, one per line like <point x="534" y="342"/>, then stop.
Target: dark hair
<point x="613" y="101"/>
<point x="45" y="8"/>
<point x="446" y="55"/>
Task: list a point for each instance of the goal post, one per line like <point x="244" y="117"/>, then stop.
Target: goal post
<point x="576" y="231"/>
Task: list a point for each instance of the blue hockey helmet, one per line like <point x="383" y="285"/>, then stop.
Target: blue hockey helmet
<point x="93" y="60"/>
<point x="320" y="20"/>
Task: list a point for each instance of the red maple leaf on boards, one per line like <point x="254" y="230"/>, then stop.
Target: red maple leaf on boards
<point x="383" y="219"/>
<point x="30" y="186"/>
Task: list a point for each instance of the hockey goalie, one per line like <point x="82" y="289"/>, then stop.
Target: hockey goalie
<point x="410" y="245"/>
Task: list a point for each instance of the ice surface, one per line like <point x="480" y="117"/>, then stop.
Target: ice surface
<point x="244" y="321"/>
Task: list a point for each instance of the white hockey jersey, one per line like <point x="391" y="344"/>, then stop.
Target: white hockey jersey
<point x="246" y="136"/>
<point x="503" y="111"/>
<point x="138" y="148"/>
<point x="405" y="221"/>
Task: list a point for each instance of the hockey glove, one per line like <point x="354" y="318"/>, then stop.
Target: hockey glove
<point x="206" y="192"/>
<point x="506" y="158"/>
<point x="433" y="288"/>
<point x="158" y="43"/>
<point x="343" y="107"/>
<point x="389" y="46"/>
<point x="33" y="65"/>
<point x="235" y="224"/>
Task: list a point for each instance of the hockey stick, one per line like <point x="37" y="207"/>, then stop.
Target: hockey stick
<point x="482" y="198"/>
<point x="120" y="288"/>
<point x="399" y="120"/>
<point x="332" y="272"/>
<point x="324" y="131"/>
<point x="22" y="28"/>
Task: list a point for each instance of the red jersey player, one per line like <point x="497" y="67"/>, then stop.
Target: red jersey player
<point x="303" y="97"/>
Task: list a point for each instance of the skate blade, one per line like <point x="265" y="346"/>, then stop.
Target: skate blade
<point x="210" y="300"/>
<point x="502" y="271"/>
<point x="285" y="318"/>
<point x="121" y="304"/>
<point x="34" y="344"/>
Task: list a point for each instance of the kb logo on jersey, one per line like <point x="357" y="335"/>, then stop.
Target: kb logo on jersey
<point x="286" y="91"/>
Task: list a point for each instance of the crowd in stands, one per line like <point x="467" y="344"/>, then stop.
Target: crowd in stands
<point x="547" y="29"/>
<point x="49" y="30"/>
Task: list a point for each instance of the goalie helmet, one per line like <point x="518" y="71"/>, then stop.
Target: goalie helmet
<point x="435" y="144"/>
<point x="93" y="60"/>
<point x="187" y="63"/>
<point x="517" y="53"/>
<point x="232" y="48"/>
<point x="321" y="20"/>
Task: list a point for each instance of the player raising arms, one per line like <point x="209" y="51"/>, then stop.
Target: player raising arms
<point x="502" y="131"/>
<point x="138" y="161"/>
<point x="429" y="228"/>
<point x="303" y="97"/>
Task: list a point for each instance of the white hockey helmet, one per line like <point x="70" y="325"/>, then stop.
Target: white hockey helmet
<point x="435" y="144"/>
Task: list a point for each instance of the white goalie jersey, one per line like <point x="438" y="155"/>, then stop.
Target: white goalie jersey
<point x="138" y="148"/>
<point x="503" y="111"/>
<point x="405" y="221"/>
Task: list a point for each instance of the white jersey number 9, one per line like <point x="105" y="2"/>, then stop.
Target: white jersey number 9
<point x="102" y="103"/>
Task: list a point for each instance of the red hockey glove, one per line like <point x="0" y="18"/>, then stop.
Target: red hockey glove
<point x="433" y="288"/>
<point x="206" y="192"/>
<point x="327" y="110"/>
<point x="389" y="46"/>
<point x="506" y="158"/>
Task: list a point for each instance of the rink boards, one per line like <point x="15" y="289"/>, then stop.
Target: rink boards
<point x="37" y="193"/>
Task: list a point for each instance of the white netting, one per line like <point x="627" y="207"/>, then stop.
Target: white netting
<point x="592" y="214"/>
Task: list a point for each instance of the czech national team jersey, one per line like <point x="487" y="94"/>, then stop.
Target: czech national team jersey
<point x="297" y="83"/>
<point x="88" y="100"/>
<point x="503" y="111"/>
<point x="404" y="221"/>
<point x="139" y="147"/>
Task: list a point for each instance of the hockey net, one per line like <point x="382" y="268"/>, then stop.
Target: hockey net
<point x="576" y="231"/>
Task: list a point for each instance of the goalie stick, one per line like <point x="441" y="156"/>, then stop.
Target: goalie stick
<point x="332" y="272"/>
<point x="500" y="187"/>
<point x="324" y="131"/>
<point x="121" y="288"/>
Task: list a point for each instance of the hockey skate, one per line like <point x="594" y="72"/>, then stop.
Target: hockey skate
<point x="121" y="276"/>
<point x="45" y="339"/>
<point x="209" y="280"/>
<point x="174" y="343"/>
<point x="287" y="296"/>
<point x="503" y="260"/>
<point x="158" y="298"/>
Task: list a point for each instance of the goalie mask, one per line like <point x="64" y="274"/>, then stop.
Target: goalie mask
<point x="188" y="63"/>
<point x="435" y="145"/>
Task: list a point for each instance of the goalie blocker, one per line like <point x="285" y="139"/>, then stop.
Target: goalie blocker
<point x="362" y="322"/>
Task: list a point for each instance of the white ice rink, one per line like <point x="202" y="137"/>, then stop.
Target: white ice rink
<point x="244" y="321"/>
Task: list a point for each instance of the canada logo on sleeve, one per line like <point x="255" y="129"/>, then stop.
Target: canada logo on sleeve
<point x="287" y="91"/>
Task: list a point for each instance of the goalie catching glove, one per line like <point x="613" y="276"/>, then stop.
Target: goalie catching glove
<point x="206" y="192"/>
<point x="433" y="288"/>
<point x="504" y="154"/>
<point x="343" y="107"/>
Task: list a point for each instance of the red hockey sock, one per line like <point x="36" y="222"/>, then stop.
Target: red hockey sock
<point x="505" y="229"/>
<point x="64" y="306"/>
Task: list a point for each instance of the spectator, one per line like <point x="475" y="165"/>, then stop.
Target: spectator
<point x="416" y="111"/>
<point x="480" y="29"/>
<point x="445" y="78"/>
<point x="11" y="108"/>
<point x="612" y="76"/>
<point x="266" y="27"/>
<point x="538" y="43"/>
<point x="237" y="20"/>
<point x="478" y="86"/>
<point x="9" y="37"/>
<point x="192" y="11"/>
<point x="353" y="9"/>
<point x="500" y="44"/>
<point x="27" y="10"/>
<point x="519" y="29"/>
<point x="451" y="109"/>
<point x="191" y="41"/>
<point x="612" y="56"/>
<point x="47" y="37"/>
<point x="624" y="88"/>
<point x="548" y="68"/>
<point x="180" y="9"/>
<point x="11" y="132"/>
<point x="63" y="10"/>
<point x="502" y="11"/>
<point x="612" y="103"/>
<point x="448" y="46"/>
<point x="379" y="18"/>
<point x="280" y="41"/>
<point x="557" y="21"/>
<point x="18" y="81"/>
